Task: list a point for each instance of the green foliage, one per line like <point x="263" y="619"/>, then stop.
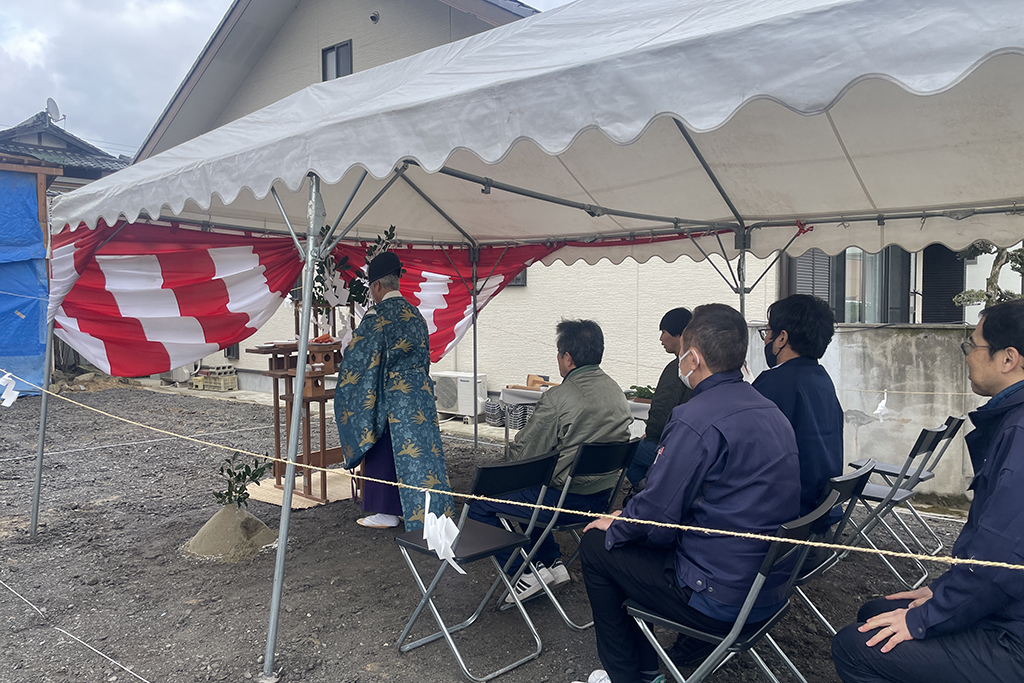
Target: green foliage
<point x="643" y="392"/>
<point x="355" y="278"/>
<point x="993" y="293"/>
<point x="238" y="476"/>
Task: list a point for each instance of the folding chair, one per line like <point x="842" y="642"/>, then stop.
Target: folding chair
<point x="743" y="637"/>
<point x="887" y="497"/>
<point x="477" y="541"/>
<point x="889" y="473"/>
<point x="849" y="488"/>
<point x="591" y="459"/>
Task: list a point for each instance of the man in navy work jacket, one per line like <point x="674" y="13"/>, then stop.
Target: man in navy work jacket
<point x="799" y="330"/>
<point x="968" y="625"/>
<point x="727" y="460"/>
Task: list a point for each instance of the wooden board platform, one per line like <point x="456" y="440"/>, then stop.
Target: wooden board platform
<point x="339" y="487"/>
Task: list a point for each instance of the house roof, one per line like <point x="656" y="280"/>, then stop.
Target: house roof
<point x="248" y="27"/>
<point x="78" y="153"/>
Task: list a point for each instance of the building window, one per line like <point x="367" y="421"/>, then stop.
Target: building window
<point x="519" y="280"/>
<point x="337" y="61"/>
<point x="859" y="287"/>
<point x="231" y="352"/>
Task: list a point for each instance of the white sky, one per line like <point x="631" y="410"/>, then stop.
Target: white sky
<point x="111" y="65"/>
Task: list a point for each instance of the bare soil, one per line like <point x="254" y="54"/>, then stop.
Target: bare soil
<point x="107" y="567"/>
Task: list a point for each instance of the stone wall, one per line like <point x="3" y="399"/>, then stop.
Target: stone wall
<point x="920" y="372"/>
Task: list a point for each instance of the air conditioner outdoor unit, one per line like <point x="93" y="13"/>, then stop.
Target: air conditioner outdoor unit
<point x="454" y="393"/>
<point x="178" y="375"/>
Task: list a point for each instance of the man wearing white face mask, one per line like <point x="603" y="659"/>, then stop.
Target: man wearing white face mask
<point x="727" y="460"/>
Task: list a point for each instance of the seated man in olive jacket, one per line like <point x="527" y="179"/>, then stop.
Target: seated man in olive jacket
<point x="588" y="407"/>
<point x="671" y="392"/>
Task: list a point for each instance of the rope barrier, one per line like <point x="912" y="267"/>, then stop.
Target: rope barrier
<point x="953" y="561"/>
<point x="56" y="628"/>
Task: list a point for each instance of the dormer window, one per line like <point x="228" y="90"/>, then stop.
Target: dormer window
<point x="337" y="61"/>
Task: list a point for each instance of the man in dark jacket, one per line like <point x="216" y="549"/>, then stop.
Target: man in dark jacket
<point x="727" y="460"/>
<point x="799" y="330"/>
<point x="669" y="393"/>
<point x="968" y="625"/>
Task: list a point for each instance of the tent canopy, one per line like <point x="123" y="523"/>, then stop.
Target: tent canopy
<point x="877" y="121"/>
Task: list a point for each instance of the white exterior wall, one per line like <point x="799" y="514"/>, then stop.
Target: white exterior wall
<point x="293" y="60"/>
<point x="517" y="328"/>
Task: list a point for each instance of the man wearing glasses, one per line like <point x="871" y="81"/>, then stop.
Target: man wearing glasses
<point x="800" y="328"/>
<point x="968" y="625"/>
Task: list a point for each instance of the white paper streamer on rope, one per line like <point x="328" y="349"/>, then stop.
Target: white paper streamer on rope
<point x="881" y="411"/>
<point x="10" y="393"/>
<point x="440" y="534"/>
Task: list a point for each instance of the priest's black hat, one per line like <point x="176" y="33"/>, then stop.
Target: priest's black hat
<point x="384" y="264"/>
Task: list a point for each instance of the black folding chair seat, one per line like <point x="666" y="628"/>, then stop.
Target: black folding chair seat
<point x="888" y="470"/>
<point x="592" y="459"/>
<point x="877" y="493"/>
<point x="743" y="637"/>
<point x="477" y="541"/>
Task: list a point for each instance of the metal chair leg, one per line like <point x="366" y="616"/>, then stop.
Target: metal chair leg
<point x="446" y="632"/>
<point x="939" y="545"/>
<point x="814" y="610"/>
<point x="785" y="659"/>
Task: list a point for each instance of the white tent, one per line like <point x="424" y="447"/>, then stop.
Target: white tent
<point x="875" y="121"/>
<point x="864" y="114"/>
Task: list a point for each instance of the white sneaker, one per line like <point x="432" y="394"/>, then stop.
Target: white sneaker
<point x="599" y="676"/>
<point x="559" y="574"/>
<point x="528" y="586"/>
<point x="379" y="521"/>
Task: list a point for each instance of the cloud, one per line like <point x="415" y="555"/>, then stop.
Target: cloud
<point x="111" y="66"/>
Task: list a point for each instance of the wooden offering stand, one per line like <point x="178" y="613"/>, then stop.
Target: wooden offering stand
<point x="283" y="361"/>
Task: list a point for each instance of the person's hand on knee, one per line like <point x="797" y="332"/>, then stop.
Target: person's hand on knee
<point x="892" y="628"/>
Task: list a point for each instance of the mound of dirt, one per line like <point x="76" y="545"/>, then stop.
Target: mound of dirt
<point x="231" y="535"/>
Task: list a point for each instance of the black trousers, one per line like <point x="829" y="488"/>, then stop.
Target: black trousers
<point x="973" y="654"/>
<point x="646" y="575"/>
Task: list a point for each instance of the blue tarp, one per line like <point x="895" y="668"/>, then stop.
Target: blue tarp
<point x="23" y="287"/>
<point x="21" y="238"/>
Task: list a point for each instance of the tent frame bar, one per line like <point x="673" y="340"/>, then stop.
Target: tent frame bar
<point x="398" y="172"/>
<point x="440" y="211"/>
<point x="291" y="230"/>
<point x="337" y="221"/>
<point x="594" y="210"/>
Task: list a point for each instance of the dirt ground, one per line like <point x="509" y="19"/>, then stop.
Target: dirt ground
<point x="119" y="502"/>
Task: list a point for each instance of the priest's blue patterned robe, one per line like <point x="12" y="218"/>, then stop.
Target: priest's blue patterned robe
<point x="384" y="381"/>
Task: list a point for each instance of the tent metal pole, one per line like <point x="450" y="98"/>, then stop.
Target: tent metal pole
<point x="312" y="230"/>
<point x="337" y="221"/>
<point x="387" y="186"/>
<point x="474" y="256"/>
<point x="48" y="364"/>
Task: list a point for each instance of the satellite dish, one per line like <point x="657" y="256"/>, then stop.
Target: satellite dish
<point x="52" y="109"/>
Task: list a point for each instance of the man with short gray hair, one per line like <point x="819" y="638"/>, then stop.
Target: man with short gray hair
<point x="587" y="407"/>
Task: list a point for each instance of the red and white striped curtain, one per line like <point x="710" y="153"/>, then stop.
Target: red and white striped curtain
<point x="141" y="299"/>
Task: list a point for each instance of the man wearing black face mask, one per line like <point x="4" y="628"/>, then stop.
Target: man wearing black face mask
<point x="799" y="330"/>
